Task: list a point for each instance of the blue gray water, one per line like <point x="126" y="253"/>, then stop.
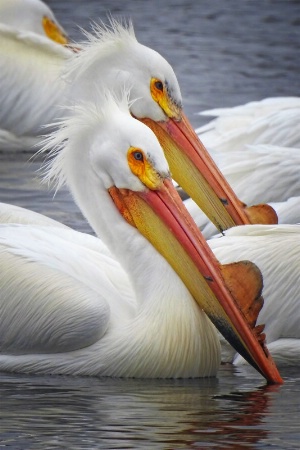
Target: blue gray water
<point x="224" y="52"/>
<point x="233" y="411"/>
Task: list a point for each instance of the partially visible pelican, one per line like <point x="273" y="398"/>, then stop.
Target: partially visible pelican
<point x="70" y="310"/>
<point x="113" y="58"/>
<point x="31" y="60"/>
<point x="256" y="145"/>
<point x="253" y="146"/>
<point x="272" y="121"/>
<point x="16" y="214"/>
<point x="265" y="172"/>
<point x="31" y="16"/>
<point x="276" y="251"/>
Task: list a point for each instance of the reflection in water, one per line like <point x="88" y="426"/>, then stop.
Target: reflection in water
<point x="90" y="413"/>
<point x="247" y="411"/>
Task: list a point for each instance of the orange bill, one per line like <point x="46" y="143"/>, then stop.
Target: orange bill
<point x="161" y="217"/>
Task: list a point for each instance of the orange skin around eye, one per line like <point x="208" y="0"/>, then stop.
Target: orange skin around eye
<point x="161" y="97"/>
<point x="143" y="169"/>
<point x="53" y="32"/>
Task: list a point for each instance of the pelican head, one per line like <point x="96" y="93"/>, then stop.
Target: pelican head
<point x="113" y="57"/>
<point x="33" y="16"/>
<point x="103" y="152"/>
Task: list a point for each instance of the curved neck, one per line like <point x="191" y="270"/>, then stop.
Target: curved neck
<point x="143" y="264"/>
<point x="167" y="325"/>
<point x="167" y="317"/>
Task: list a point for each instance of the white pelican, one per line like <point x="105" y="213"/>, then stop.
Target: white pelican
<point x="276" y="251"/>
<point x="33" y="16"/>
<point x="113" y="58"/>
<point x="266" y="172"/>
<point x="271" y="121"/>
<point x="65" y="309"/>
<point x="16" y="214"/>
<point x="249" y="144"/>
<point x="31" y="61"/>
<point x="256" y="145"/>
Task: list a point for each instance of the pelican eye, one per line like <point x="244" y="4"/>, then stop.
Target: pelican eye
<point x="138" y="156"/>
<point x="159" y="86"/>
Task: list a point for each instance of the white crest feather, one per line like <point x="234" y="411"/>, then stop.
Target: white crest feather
<point x="103" y="40"/>
<point x="84" y="119"/>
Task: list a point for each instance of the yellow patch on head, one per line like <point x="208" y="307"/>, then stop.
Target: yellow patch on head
<point x="161" y="96"/>
<point x="143" y="169"/>
<point x="53" y="32"/>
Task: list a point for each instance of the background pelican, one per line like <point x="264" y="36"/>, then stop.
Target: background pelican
<point x="148" y="326"/>
<point x="33" y="16"/>
<point x="15" y="214"/>
<point x="31" y="61"/>
<point x="256" y="146"/>
<point x="276" y="251"/>
<point x="271" y="121"/>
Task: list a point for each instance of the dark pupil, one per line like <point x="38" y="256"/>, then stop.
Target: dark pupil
<point x="159" y="85"/>
<point x="138" y="156"/>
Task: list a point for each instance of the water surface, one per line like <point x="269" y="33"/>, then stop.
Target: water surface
<point x="234" y="411"/>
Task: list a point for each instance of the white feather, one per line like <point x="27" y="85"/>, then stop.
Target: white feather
<point x="276" y="251"/>
<point x="42" y="77"/>
<point x="256" y="146"/>
<point x="68" y="308"/>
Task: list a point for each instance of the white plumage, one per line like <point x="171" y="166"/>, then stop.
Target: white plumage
<point x="67" y="308"/>
<point x="15" y="214"/>
<point x="110" y="58"/>
<point x="256" y="146"/>
<point x="31" y="61"/>
<point x="40" y="76"/>
<point x="31" y="16"/>
<point x="271" y="121"/>
<point x="276" y="251"/>
<point x="30" y="87"/>
<point x="94" y="247"/>
<point x="86" y="66"/>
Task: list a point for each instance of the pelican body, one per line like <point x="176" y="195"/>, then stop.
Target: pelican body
<point x="257" y="145"/>
<point x="139" y="310"/>
<point x="271" y="121"/>
<point x="32" y="16"/>
<point x="276" y="251"/>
